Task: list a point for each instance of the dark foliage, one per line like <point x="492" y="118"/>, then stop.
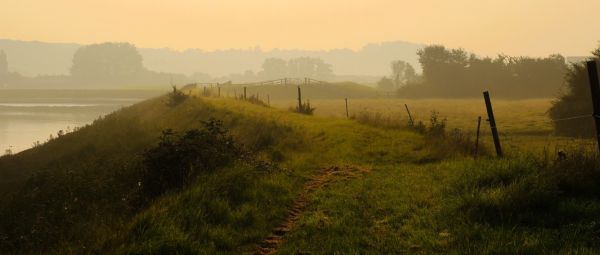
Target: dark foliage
<point x="305" y="108"/>
<point x="576" y="101"/>
<point x="179" y="158"/>
<point x="457" y="73"/>
<point x="176" y="97"/>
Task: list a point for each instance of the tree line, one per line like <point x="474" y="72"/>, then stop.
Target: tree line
<point x="458" y="73"/>
<point x="118" y="65"/>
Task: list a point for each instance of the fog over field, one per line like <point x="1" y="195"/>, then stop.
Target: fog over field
<point x="42" y="58"/>
<point x="273" y="127"/>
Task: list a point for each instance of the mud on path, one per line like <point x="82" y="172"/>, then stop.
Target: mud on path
<point x="326" y="175"/>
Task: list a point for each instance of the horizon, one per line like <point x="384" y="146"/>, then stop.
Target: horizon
<point x="273" y="25"/>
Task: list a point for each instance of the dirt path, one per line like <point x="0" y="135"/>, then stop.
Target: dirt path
<point x="271" y="244"/>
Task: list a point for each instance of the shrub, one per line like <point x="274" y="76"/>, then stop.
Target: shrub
<point x="179" y="158"/>
<point x="176" y="97"/>
<point x="305" y="108"/>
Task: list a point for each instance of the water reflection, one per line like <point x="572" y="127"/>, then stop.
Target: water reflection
<point x="25" y="121"/>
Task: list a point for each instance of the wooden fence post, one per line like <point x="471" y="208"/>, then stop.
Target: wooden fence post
<point x="244" y="93"/>
<point x="592" y="69"/>
<point x="347" y="116"/>
<point x="218" y="91"/>
<point x="299" y="99"/>
<point x="268" y="100"/>
<point x="477" y="137"/>
<point x="492" y="120"/>
<point x="411" y="122"/>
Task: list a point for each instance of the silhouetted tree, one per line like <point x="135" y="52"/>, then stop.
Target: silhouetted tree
<point x="107" y="63"/>
<point x="456" y="73"/>
<point x="575" y="101"/>
<point x="274" y="68"/>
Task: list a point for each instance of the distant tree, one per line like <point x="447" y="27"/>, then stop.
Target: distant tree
<point x="386" y="84"/>
<point x="274" y="68"/>
<point x="402" y="73"/>
<point x="3" y="64"/>
<point x="443" y="68"/>
<point x="107" y="63"/>
<point x="3" y="69"/>
<point x="456" y="73"/>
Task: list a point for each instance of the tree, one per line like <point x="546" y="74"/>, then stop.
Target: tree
<point x="107" y="63"/>
<point x="3" y="64"/>
<point x="386" y="84"/>
<point x="575" y="101"/>
<point x="402" y="73"/>
<point x="274" y="68"/>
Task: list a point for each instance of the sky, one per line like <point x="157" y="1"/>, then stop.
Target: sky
<point x="487" y="27"/>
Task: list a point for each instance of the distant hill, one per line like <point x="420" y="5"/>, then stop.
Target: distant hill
<point x="34" y="58"/>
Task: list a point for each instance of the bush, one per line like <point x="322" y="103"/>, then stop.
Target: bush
<point x="179" y="158"/>
<point x="305" y="108"/>
<point x="176" y="97"/>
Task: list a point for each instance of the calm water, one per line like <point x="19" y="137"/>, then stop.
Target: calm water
<point x="26" y="119"/>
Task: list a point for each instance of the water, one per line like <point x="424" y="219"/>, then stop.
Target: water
<point x="30" y="117"/>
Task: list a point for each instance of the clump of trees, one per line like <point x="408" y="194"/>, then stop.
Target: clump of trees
<point x="575" y="101"/>
<point x="105" y="65"/>
<point x="276" y="68"/>
<point x="457" y="73"/>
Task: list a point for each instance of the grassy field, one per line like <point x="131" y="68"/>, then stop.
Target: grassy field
<point x="420" y="192"/>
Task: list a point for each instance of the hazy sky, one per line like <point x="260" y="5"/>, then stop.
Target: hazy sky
<point x="516" y="27"/>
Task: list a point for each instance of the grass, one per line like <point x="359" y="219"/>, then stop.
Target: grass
<point x="423" y="193"/>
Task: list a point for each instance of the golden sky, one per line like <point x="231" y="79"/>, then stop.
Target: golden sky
<point x="516" y="27"/>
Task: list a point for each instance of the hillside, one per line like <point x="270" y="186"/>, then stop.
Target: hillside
<point x="300" y="184"/>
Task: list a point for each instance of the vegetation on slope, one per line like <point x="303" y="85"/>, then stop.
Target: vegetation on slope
<point x="85" y="192"/>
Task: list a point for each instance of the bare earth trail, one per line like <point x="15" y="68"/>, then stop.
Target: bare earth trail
<point x="326" y="175"/>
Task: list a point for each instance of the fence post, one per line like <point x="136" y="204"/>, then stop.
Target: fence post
<point x="592" y="69"/>
<point x="299" y="99"/>
<point x="268" y="100"/>
<point x="346" y="107"/>
<point x="218" y="91"/>
<point x="244" y="93"/>
<point x="492" y="120"/>
<point x="411" y="122"/>
<point x="477" y="137"/>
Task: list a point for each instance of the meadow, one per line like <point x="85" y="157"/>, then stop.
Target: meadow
<point x="385" y="188"/>
<point x="524" y="125"/>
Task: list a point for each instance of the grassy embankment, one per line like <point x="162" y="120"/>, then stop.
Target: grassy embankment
<point x="420" y="195"/>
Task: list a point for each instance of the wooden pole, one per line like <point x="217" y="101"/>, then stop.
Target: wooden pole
<point x="218" y="91"/>
<point x="244" y="93"/>
<point x="477" y="137"/>
<point x="346" y="99"/>
<point x="592" y="69"/>
<point x="268" y="100"/>
<point x="299" y="99"/>
<point x="492" y="120"/>
<point x="411" y="122"/>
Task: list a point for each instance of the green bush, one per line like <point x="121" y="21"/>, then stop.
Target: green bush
<point x="179" y="158"/>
